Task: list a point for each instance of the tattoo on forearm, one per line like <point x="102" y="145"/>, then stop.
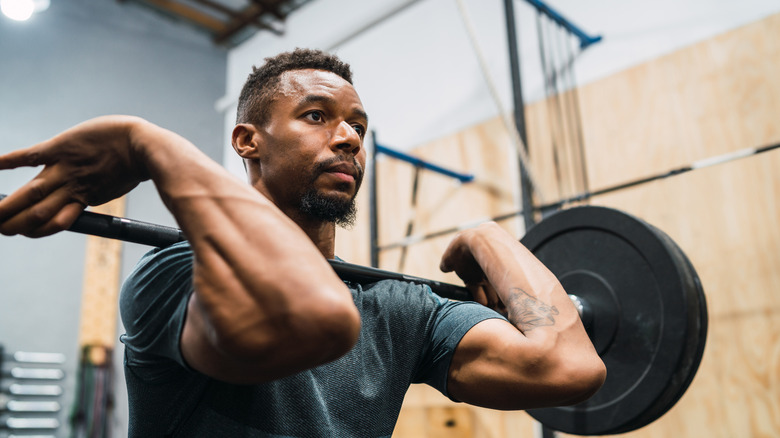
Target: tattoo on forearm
<point x="527" y="312"/>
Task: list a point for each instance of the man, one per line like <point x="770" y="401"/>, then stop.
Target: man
<point x="245" y="330"/>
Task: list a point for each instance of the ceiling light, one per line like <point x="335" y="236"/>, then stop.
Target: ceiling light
<point x="21" y="10"/>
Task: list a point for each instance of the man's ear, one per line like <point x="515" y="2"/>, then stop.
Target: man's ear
<point x="245" y="141"/>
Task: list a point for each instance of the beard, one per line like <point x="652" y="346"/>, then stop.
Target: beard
<point x="329" y="209"/>
<point x="333" y="209"/>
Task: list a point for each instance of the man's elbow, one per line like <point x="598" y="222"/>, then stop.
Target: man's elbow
<point x="297" y="337"/>
<point x="320" y="331"/>
<point x="582" y="380"/>
<point x="552" y="383"/>
<point x="339" y="329"/>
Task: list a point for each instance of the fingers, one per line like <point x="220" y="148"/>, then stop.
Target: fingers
<point x="478" y="294"/>
<point x="55" y="212"/>
<point x="61" y="221"/>
<point x="456" y="255"/>
<point x="459" y="259"/>
<point x="493" y="299"/>
<point x="35" y="191"/>
<point x="485" y="294"/>
<point x="446" y="263"/>
<point x="28" y="157"/>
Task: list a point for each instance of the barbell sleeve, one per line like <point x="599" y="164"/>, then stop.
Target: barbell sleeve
<point x="128" y="230"/>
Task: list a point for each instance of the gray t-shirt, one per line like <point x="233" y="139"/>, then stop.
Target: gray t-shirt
<point x="408" y="335"/>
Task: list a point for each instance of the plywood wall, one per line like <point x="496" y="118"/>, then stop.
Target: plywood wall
<point x="717" y="96"/>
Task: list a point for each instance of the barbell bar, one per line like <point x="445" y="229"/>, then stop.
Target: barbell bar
<point x="145" y="233"/>
<point x="638" y="295"/>
<point x="587" y="195"/>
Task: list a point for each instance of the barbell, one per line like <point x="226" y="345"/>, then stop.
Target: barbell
<point x="638" y="296"/>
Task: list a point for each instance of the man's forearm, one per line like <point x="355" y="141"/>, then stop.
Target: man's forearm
<point x="253" y="265"/>
<point x="527" y="312"/>
<point x="533" y="297"/>
<point x="543" y="356"/>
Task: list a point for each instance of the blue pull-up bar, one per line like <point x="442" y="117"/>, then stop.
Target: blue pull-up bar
<point x="462" y="177"/>
<point x="585" y="39"/>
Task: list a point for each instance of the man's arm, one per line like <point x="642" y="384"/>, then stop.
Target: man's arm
<point x="266" y="302"/>
<point x="543" y="356"/>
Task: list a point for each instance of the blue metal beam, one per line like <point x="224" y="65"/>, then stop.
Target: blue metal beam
<point x="585" y="39"/>
<point x="462" y="177"/>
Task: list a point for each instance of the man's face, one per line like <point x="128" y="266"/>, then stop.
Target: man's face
<point x="313" y="158"/>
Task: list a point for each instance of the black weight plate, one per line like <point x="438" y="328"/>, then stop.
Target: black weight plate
<point x="697" y="329"/>
<point x="649" y="315"/>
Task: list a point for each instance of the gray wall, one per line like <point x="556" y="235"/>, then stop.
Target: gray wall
<point x="78" y="60"/>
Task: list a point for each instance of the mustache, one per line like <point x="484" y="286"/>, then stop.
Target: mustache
<point x="324" y="165"/>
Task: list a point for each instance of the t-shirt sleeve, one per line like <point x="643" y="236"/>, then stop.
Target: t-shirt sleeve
<point x="451" y="321"/>
<point x="153" y="306"/>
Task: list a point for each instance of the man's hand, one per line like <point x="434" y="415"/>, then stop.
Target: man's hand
<point x="459" y="258"/>
<point x="89" y="164"/>
<point x="543" y="356"/>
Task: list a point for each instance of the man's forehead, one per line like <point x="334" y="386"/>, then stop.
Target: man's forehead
<point x="308" y="85"/>
<point x="304" y="79"/>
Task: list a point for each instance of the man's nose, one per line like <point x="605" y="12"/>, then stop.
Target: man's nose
<point x="346" y="138"/>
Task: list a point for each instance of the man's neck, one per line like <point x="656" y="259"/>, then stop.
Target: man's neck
<point x="323" y="234"/>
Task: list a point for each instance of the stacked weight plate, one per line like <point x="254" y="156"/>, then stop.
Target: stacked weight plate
<point x="29" y="393"/>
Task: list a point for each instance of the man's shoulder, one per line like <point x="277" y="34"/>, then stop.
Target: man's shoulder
<point x="400" y="302"/>
<point x="152" y="306"/>
<point x="158" y="277"/>
<point x="161" y="261"/>
<point x="175" y="252"/>
<point x="402" y="292"/>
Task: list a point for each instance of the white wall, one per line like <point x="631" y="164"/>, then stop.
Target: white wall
<point x="417" y="72"/>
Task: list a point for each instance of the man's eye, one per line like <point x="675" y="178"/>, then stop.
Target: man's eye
<point x="360" y="130"/>
<point x="315" y="116"/>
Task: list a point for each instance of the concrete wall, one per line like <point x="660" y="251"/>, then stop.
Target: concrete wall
<point x="78" y="60"/>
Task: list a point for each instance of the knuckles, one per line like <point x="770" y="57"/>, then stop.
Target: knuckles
<point x="36" y="191"/>
<point x="38" y="215"/>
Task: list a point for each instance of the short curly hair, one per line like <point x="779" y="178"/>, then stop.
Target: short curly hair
<point x="260" y="87"/>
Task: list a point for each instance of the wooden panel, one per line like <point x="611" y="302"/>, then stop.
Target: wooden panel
<point x="427" y="413"/>
<point x="435" y="422"/>
<point x="556" y="160"/>
<point x="714" y="97"/>
<point x="99" y="298"/>
<point x="749" y="362"/>
<point x="710" y="98"/>
<point x="443" y="202"/>
<point x="735" y="392"/>
<point x="723" y="218"/>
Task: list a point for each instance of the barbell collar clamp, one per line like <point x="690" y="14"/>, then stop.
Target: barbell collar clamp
<point x="584" y="309"/>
